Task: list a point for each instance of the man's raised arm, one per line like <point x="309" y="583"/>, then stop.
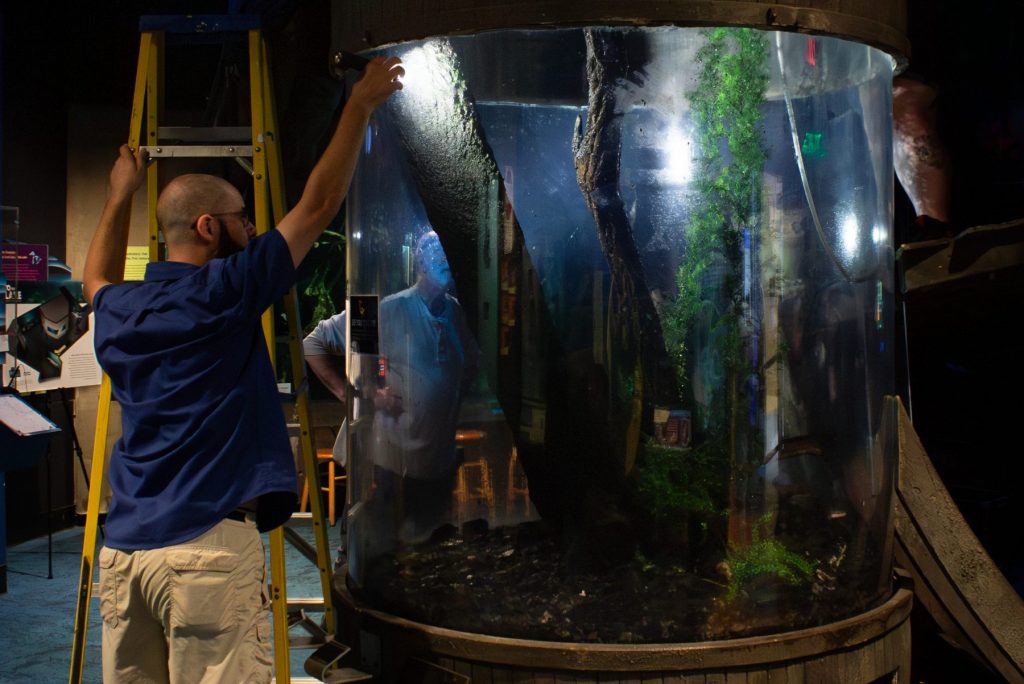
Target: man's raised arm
<point x="329" y="181"/>
<point x="104" y="263"/>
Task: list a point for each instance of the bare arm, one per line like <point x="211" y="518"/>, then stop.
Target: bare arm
<point x="329" y="181"/>
<point x="104" y="264"/>
<point x="325" y="367"/>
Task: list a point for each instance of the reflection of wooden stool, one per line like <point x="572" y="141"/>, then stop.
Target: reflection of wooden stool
<point x="518" y="486"/>
<point x="465" y="437"/>
<point x="324" y="456"/>
<point x="472" y="484"/>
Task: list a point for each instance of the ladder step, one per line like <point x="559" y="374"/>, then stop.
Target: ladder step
<point x="311" y="603"/>
<point x="197" y="151"/>
<point x="316" y="636"/>
<point x="300" y="519"/>
<point x="322" y="664"/>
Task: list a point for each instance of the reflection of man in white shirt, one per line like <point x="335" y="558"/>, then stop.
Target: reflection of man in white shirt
<point x="430" y="360"/>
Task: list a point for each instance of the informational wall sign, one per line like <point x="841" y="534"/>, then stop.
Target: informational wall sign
<point x="135" y="262"/>
<point x="24" y="262"/>
<point x="49" y="338"/>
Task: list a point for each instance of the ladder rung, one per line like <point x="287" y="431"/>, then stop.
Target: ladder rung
<point x="310" y="602"/>
<point x="194" y="151"/>
<point x="299" y="518"/>
<point x="204" y="134"/>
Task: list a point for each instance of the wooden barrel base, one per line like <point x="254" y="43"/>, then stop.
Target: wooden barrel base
<point x="867" y="648"/>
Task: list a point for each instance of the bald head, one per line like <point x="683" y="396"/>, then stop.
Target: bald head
<point x="187" y="197"/>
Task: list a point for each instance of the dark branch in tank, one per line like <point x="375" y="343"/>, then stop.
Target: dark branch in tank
<point x="634" y="322"/>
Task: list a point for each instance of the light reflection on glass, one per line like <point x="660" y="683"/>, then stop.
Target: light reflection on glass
<point x="678" y="157"/>
<point x="849" y="234"/>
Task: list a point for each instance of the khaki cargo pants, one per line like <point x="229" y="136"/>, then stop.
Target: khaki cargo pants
<point x="192" y="613"/>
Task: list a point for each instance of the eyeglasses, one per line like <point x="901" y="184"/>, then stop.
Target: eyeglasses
<point x="242" y="215"/>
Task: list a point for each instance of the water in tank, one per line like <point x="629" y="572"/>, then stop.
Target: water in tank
<point x="620" y="345"/>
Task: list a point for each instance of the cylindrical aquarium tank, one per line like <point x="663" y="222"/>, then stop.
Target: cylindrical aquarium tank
<point x="620" y="315"/>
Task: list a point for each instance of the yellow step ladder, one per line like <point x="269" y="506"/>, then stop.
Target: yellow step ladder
<point x="259" y="153"/>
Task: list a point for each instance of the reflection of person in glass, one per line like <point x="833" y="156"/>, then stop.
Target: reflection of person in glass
<point x="429" y="361"/>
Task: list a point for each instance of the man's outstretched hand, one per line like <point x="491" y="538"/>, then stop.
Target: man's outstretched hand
<point x="128" y="173"/>
<point x="381" y="77"/>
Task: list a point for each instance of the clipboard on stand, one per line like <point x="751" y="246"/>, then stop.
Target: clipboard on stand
<point x="24" y="433"/>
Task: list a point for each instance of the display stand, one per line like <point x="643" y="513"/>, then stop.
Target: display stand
<point x="24" y="436"/>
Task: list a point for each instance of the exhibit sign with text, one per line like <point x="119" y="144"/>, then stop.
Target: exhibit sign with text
<point x="48" y="330"/>
<point x="24" y="262"/>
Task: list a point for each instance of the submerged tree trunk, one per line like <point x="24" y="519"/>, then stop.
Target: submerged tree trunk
<point x="638" y="363"/>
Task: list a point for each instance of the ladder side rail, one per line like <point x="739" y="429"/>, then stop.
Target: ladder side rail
<point x="97" y="477"/>
<point x="276" y="177"/>
<point x="147" y="68"/>
<point x="154" y="113"/>
<point x="261" y="207"/>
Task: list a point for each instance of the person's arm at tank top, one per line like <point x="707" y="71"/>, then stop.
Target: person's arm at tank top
<point x="329" y="181"/>
<point x="104" y="263"/>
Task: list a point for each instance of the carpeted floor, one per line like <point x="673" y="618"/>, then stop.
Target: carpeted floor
<point x="37" y="614"/>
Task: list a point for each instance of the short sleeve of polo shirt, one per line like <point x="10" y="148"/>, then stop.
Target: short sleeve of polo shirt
<point x="327" y="338"/>
<point x="250" y="280"/>
<point x="261" y="273"/>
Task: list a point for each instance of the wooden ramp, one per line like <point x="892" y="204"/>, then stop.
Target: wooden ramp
<point x="955" y="580"/>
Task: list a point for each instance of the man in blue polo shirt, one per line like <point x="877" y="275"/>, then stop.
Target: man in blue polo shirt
<point x="204" y="463"/>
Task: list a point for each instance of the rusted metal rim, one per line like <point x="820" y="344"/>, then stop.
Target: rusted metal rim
<point x="728" y="653"/>
<point x="364" y="24"/>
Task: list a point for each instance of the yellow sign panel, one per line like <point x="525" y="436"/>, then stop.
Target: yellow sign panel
<point x="135" y="262"/>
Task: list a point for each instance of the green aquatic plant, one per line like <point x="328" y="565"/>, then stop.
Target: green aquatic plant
<point x="706" y="325"/>
<point x="764" y="557"/>
<point x="675" y="482"/>
<point x="710" y="326"/>
<point x="727" y="111"/>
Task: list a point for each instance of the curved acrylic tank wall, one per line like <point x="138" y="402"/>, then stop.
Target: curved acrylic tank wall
<point x="658" y="409"/>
